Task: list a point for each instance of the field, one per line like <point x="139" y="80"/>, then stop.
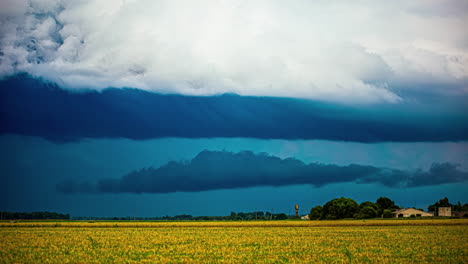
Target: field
<point x="353" y="241"/>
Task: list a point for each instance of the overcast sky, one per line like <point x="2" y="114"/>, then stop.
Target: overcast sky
<point x="366" y="98"/>
<point x="345" y="51"/>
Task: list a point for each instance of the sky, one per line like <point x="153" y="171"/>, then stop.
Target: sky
<point x="152" y="108"/>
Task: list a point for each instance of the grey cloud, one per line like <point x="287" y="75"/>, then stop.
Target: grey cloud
<point x="439" y="173"/>
<point x="137" y="114"/>
<point x="213" y="170"/>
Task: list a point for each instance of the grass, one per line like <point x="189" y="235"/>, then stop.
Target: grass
<point x="347" y="241"/>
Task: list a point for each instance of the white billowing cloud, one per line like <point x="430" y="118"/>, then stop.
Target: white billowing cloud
<point x="348" y="51"/>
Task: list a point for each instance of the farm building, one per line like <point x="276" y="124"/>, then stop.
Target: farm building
<point x="444" y="211"/>
<point x="408" y="212"/>
<point x="305" y="217"/>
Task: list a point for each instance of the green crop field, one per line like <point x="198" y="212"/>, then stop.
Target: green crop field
<point x="357" y="241"/>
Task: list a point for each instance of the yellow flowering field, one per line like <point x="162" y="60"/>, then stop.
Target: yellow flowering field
<point x="371" y="241"/>
<point x="286" y="223"/>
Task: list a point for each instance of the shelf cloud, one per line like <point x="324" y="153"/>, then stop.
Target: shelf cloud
<point x="37" y="108"/>
<point x="213" y="170"/>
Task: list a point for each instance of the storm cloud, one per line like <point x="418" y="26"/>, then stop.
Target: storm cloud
<point x="339" y="51"/>
<point x="33" y="107"/>
<point x="213" y="170"/>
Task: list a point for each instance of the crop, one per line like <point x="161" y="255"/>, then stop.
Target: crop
<point x="375" y="241"/>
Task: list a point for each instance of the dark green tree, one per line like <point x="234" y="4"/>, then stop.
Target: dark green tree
<point x="367" y="210"/>
<point x="369" y="204"/>
<point x="386" y="203"/>
<point x="315" y="212"/>
<point x="281" y="216"/>
<point x="339" y="208"/>
<point x="234" y="216"/>
<point x="459" y="207"/>
<point x="366" y="213"/>
<point x="387" y="213"/>
<point x="444" y="202"/>
<point x="33" y="215"/>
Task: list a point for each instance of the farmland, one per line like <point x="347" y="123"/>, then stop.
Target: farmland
<point x="373" y="241"/>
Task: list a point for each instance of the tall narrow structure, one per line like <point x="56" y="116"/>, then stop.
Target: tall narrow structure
<point x="297" y="210"/>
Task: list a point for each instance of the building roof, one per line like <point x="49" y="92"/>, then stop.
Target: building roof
<point x="409" y="210"/>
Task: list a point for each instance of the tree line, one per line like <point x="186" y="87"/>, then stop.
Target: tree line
<point x="341" y="208"/>
<point x="239" y="216"/>
<point x="33" y="215"/>
<point x="338" y="208"/>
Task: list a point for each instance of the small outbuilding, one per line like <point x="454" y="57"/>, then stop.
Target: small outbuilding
<point x="409" y="212"/>
<point x="444" y="211"/>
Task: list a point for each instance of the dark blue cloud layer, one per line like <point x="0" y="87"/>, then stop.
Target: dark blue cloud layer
<point x="34" y="107"/>
<point x="213" y="170"/>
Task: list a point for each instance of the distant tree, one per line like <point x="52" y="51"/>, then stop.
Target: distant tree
<point x="370" y="204"/>
<point x="339" y="208"/>
<point x="444" y="202"/>
<point x="385" y="203"/>
<point x="182" y="217"/>
<point x="315" y="212"/>
<point x="459" y="207"/>
<point x="259" y="215"/>
<point x="281" y="216"/>
<point x="234" y="216"/>
<point x="33" y="215"/>
<point x="249" y="216"/>
<point x="387" y="213"/>
<point x="366" y="213"/>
